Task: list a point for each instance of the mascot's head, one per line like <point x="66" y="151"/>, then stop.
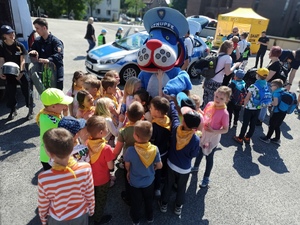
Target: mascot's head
<point x="164" y="48"/>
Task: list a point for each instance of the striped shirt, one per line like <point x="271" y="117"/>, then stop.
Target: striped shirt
<point x="62" y="196"/>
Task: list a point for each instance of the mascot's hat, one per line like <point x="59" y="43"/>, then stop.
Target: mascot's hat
<point x="164" y="18"/>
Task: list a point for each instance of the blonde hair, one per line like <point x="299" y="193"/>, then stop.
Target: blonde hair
<point x="102" y="107"/>
<point x="129" y="87"/>
<point x="196" y="99"/>
<point x="224" y="90"/>
<point x="111" y="73"/>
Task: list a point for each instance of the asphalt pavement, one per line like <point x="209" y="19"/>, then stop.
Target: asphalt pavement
<point x="250" y="184"/>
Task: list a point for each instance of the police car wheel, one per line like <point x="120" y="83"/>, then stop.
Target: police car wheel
<point x="192" y="71"/>
<point x="128" y="72"/>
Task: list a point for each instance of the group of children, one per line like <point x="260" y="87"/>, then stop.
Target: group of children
<point x="154" y="140"/>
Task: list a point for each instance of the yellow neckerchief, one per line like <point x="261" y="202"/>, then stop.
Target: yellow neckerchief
<point x="146" y="152"/>
<point x="76" y="88"/>
<point x="183" y="137"/>
<point x="71" y="163"/>
<point x="85" y="110"/>
<point x="95" y="147"/>
<point x="164" y="122"/>
<point x="98" y="94"/>
<point x="210" y="111"/>
<point x="44" y="111"/>
<point x="112" y="97"/>
<point x="128" y="124"/>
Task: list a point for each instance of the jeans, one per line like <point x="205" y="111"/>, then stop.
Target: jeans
<point x="249" y="118"/>
<point x="138" y="196"/>
<point x="262" y="114"/>
<point x="275" y="123"/>
<point x="181" y="181"/>
<point x="100" y="200"/>
<point x="235" y="110"/>
<point x="91" y="44"/>
<point x="209" y="161"/>
<point x="260" y="54"/>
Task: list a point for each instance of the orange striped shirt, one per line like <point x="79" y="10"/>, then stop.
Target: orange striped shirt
<point x="62" y="196"/>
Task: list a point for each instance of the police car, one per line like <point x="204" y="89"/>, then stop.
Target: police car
<point x="121" y="56"/>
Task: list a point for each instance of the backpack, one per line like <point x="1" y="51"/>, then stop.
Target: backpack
<point x="206" y="66"/>
<point x="264" y="98"/>
<point x="288" y="102"/>
<point x="238" y="94"/>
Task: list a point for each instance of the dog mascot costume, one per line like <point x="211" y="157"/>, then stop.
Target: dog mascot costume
<point x="164" y="50"/>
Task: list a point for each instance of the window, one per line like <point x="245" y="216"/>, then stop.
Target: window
<point x="98" y="11"/>
<point x="108" y="12"/>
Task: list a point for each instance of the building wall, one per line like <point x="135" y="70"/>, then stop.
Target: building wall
<point x="284" y="23"/>
<point x="107" y="10"/>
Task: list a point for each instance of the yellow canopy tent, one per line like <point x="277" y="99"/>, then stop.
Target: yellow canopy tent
<point x="246" y="20"/>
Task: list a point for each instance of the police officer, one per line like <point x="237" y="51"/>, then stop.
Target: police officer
<point x="13" y="51"/>
<point x="48" y="48"/>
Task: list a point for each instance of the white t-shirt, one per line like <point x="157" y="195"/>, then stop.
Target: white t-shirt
<point x="243" y="45"/>
<point x="222" y="61"/>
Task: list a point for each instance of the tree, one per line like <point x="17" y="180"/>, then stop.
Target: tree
<point x="56" y="8"/>
<point x="135" y="6"/>
<point x="180" y="5"/>
<point x="92" y="4"/>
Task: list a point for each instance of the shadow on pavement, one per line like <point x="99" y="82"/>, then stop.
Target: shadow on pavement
<point x="80" y="57"/>
<point x="35" y="220"/>
<point x="15" y="141"/>
<point x="34" y="180"/>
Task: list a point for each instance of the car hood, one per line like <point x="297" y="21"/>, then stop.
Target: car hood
<point x="107" y="50"/>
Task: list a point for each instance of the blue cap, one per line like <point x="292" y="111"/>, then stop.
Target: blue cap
<point x="209" y="38"/>
<point x="103" y="31"/>
<point x="248" y="44"/>
<point x="5" y="29"/>
<point x="166" y="18"/>
<point x="184" y="100"/>
<point x="120" y="28"/>
<point x="71" y="124"/>
<point x="239" y="73"/>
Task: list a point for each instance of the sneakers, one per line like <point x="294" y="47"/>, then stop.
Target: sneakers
<point x="238" y="140"/>
<point x="246" y="140"/>
<point x="177" y="210"/>
<point x="265" y="139"/>
<point x="205" y="182"/>
<point x="275" y="141"/>
<point x="194" y="169"/>
<point x="162" y="207"/>
<point x="157" y="193"/>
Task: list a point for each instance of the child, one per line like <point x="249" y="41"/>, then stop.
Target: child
<point x="215" y="123"/>
<point x="239" y="92"/>
<point x="197" y="101"/>
<point x="132" y="85"/>
<point x="109" y="89"/>
<point x="65" y="193"/>
<point x="141" y="162"/>
<point x="144" y="98"/>
<point x="251" y="110"/>
<point x="277" y="116"/>
<point x="77" y="85"/>
<point x="101" y="37"/>
<point x="209" y="42"/>
<point x="55" y="102"/>
<point x="245" y="56"/>
<point x="183" y="147"/>
<point x="115" y="74"/>
<point x="102" y="157"/>
<point x="77" y="128"/>
<point x="161" y="124"/>
<point x="104" y="107"/>
<point x="119" y="33"/>
<point x="134" y="113"/>
<point x="86" y="105"/>
<point x="93" y="86"/>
